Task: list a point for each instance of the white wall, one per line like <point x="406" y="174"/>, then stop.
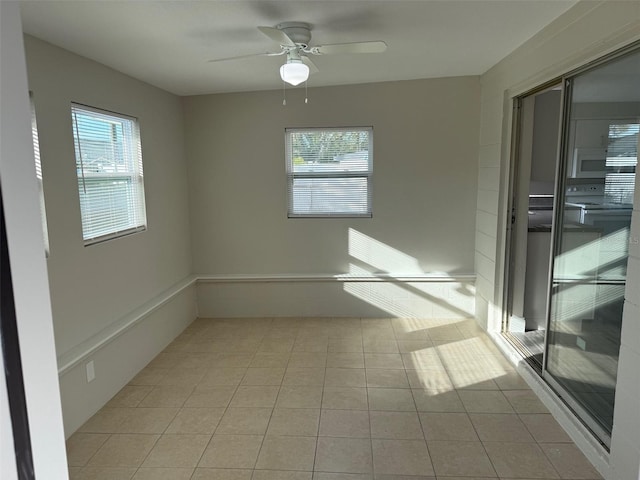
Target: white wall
<point x="28" y="268"/>
<point x="586" y="32"/>
<point x="121" y="358"/>
<point x="97" y="290"/>
<point x="424" y="194"/>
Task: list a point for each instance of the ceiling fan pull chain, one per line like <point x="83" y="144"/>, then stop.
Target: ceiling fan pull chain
<point x="306" y="98"/>
<point x="284" y="93"/>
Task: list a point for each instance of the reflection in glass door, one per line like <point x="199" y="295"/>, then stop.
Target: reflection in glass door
<point x="594" y="202"/>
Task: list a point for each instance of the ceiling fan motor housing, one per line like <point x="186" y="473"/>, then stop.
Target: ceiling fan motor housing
<point x="299" y="32"/>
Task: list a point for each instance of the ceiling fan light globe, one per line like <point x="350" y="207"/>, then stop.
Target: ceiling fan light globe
<point x="294" y="73"/>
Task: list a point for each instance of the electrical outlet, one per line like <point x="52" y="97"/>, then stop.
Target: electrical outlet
<point x="91" y="371"/>
<point x="582" y="344"/>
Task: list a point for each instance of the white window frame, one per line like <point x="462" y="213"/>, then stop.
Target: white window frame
<point x="337" y="174"/>
<point x="100" y="226"/>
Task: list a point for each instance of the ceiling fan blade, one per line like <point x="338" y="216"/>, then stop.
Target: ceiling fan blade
<point x="307" y="61"/>
<point x="359" y="47"/>
<point x="240" y="57"/>
<point x="277" y="36"/>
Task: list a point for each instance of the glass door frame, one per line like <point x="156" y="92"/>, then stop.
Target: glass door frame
<point x="512" y="208"/>
<point x="583" y="415"/>
<point x="562" y="158"/>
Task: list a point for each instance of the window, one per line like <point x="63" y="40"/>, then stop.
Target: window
<point x="36" y="154"/>
<point x="329" y="171"/>
<point x="109" y="168"/>
<point x="621" y="162"/>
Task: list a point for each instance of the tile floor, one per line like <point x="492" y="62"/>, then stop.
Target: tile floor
<point x="325" y="399"/>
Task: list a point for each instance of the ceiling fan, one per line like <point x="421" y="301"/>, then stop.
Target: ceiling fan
<point x="294" y="38"/>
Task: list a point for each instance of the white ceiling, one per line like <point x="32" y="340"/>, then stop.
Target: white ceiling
<point x="168" y="43"/>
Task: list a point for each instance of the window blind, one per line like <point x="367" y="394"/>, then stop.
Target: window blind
<point x="110" y="176"/>
<point x="621" y="162"/>
<point x="329" y="171"/>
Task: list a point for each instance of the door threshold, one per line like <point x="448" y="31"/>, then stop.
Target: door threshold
<point x="529" y="346"/>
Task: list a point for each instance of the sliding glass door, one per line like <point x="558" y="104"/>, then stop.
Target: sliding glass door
<point x="575" y="155"/>
<point x="596" y="188"/>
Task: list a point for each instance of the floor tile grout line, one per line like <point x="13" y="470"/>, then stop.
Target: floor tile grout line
<point x="264" y="436"/>
<point x="147" y="455"/>
<point x="218" y="424"/>
<point x="569" y="442"/>
<point x="484" y="448"/>
<point x="254" y="353"/>
<point x="550" y="462"/>
<point x="424" y="438"/>
<point x="315" y="451"/>
<point x="109" y="435"/>
<point x="373" y="464"/>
